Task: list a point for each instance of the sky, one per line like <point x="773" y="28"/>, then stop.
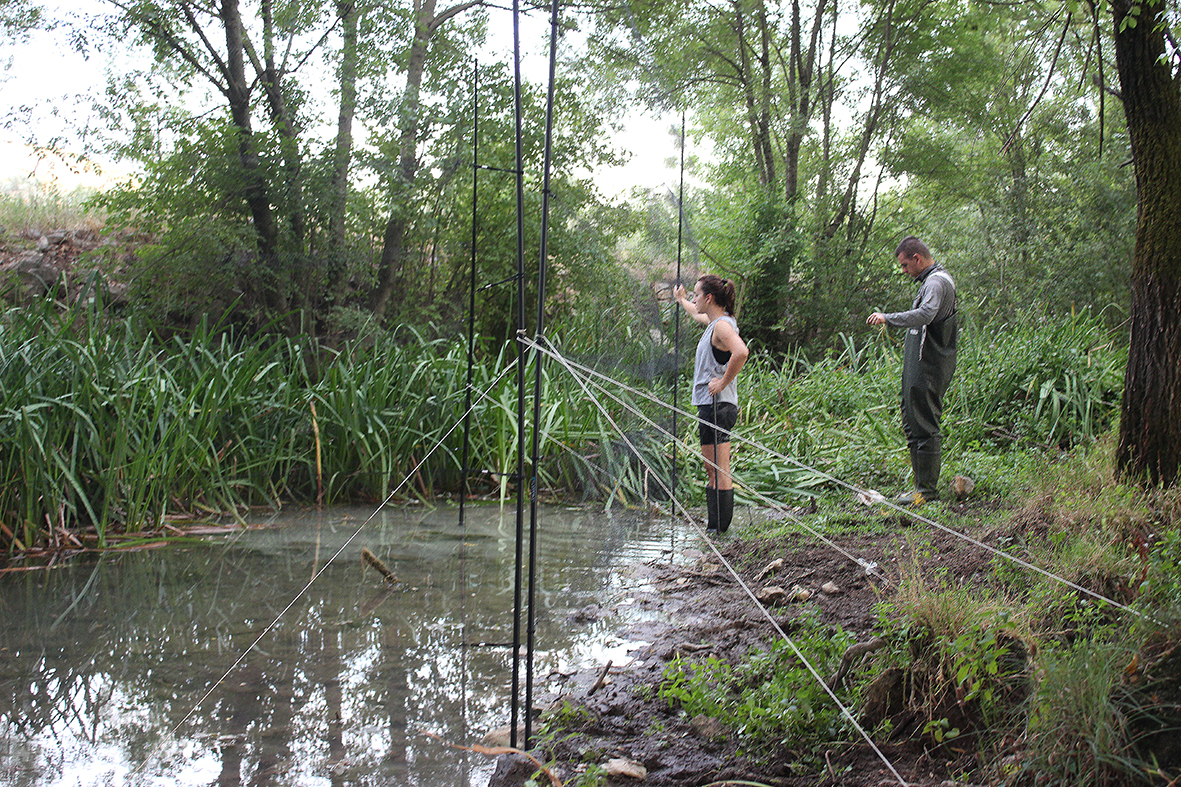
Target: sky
<point x="45" y="76"/>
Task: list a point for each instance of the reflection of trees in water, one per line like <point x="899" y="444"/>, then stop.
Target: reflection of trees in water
<point x="118" y="652"/>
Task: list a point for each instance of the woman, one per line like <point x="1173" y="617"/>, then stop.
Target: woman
<point x="720" y="356"/>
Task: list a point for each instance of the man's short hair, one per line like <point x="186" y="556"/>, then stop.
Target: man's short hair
<point x="911" y="246"/>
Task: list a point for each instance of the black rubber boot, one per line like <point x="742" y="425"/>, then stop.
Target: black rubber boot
<point x="725" y="509"/>
<point x="927" y="465"/>
<point x="926" y="459"/>
<point x="711" y="509"/>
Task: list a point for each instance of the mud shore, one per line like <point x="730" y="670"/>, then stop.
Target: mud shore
<point x="695" y="607"/>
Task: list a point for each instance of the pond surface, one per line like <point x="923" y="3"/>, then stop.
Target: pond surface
<point x="111" y="668"/>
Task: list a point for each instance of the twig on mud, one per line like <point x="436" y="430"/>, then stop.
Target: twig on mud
<point x="805" y="575"/>
<point x="602" y="680"/>
<point x="496" y="751"/>
<point x="714" y="578"/>
<point x="853" y="654"/>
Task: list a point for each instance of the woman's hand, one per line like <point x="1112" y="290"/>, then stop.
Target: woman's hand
<point x="679" y="293"/>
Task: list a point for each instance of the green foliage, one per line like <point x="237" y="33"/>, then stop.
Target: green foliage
<point x="1076" y="732"/>
<point x="1015" y="176"/>
<point x="770" y="699"/>
<point x="1037" y="384"/>
<point x="1052" y="381"/>
<point x="1161" y="588"/>
<point x="977" y="662"/>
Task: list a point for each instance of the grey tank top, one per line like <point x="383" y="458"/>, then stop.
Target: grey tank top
<point x="706" y="367"/>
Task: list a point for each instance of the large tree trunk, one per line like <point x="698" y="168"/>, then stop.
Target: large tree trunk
<point x="1150" y="425"/>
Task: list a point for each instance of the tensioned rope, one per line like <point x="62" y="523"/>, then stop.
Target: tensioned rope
<point x="299" y="594"/>
<point x="726" y="563"/>
<point x="910" y="513"/>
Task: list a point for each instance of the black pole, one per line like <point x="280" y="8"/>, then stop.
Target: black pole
<point x="520" y="533"/>
<point x="537" y="359"/>
<point x="471" y="307"/>
<point x="677" y="318"/>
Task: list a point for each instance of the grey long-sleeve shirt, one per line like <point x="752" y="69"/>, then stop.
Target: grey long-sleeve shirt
<point x="934" y="302"/>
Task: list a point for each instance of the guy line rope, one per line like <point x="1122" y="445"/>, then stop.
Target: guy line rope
<point x="912" y="514"/>
<point x="324" y="568"/>
<point x="721" y="558"/>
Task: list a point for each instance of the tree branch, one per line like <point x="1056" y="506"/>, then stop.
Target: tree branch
<point x="453" y="11"/>
<point x="156" y="29"/>
<point x="1045" y="86"/>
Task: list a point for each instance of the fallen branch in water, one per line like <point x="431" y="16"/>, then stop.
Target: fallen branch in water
<point x="496" y="751"/>
<point x="372" y="560"/>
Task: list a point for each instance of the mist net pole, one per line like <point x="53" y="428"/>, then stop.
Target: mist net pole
<point x="537" y="359"/>
<point x="471" y="308"/>
<point x="677" y="318"/>
<point x="520" y="532"/>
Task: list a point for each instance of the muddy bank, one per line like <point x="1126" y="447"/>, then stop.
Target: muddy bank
<point x="697" y="609"/>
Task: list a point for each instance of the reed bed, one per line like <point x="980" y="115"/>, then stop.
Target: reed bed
<point x="37" y="208"/>
<point x="106" y="430"/>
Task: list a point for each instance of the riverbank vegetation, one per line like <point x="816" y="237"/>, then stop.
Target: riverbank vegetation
<point x="973" y="667"/>
<point x="113" y="429"/>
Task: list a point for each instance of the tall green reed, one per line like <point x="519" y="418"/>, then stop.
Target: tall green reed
<point x="111" y="429"/>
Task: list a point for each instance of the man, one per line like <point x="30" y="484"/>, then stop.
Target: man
<point x="928" y="363"/>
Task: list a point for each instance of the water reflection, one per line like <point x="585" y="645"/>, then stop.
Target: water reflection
<point x="104" y="664"/>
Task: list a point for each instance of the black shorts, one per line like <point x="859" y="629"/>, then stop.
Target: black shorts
<point x="715" y="429"/>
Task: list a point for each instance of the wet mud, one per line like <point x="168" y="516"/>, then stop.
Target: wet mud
<point x="697" y="607"/>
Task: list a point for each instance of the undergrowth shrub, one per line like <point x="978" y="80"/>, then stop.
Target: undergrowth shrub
<point x="769" y="699"/>
<point x="957" y="662"/>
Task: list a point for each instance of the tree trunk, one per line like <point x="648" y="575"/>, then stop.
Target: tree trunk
<point x="873" y="116"/>
<point x="1019" y="201"/>
<point x="755" y="92"/>
<point x="254" y="184"/>
<point x="393" y="253"/>
<point x="800" y="72"/>
<point x="283" y="121"/>
<point x="342" y="156"/>
<point x="1150" y="426"/>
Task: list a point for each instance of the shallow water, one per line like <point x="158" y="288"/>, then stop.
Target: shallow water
<point x="111" y="668"/>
